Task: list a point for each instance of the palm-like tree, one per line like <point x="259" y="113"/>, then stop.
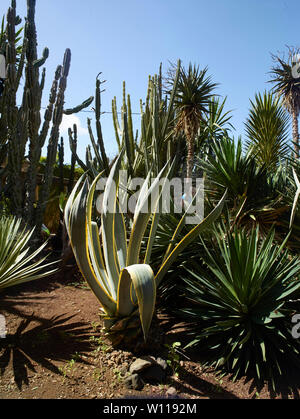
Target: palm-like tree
<point x="287" y="86"/>
<point x="192" y="100"/>
<point x="267" y="130"/>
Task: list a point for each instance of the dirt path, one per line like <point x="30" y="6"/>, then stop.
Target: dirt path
<point x="54" y="350"/>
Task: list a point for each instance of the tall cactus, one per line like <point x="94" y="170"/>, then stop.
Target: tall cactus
<point x="152" y="149"/>
<point x="53" y="140"/>
<point x="33" y="96"/>
<point x="22" y="127"/>
<point x="15" y="141"/>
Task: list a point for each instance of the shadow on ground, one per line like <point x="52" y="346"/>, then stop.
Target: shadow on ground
<point x="38" y="340"/>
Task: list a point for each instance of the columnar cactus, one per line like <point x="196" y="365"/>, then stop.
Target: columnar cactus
<point x="53" y="140"/>
<point x="22" y="126"/>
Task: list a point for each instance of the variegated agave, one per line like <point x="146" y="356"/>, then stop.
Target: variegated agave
<point x="17" y="263"/>
<point x="110" y="258"/>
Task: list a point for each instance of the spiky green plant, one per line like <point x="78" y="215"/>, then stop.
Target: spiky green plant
<point x="18" y="263"/>
<point x="241" y="311"/>
<point x="214" y="126"/>
<point x="287" y="87"/>
<point x="228" y="167"/>
<point x="112" y="262"/>
<point x="192" y="99"/>
<point x="267" y="130"/>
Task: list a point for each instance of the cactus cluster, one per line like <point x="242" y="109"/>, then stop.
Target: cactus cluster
<point x="21" y="127"/>
<point x="147" y="151"/>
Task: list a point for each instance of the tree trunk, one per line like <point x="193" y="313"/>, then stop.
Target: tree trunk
<point x="295" y="134"/>
<point x="190" y="159"/>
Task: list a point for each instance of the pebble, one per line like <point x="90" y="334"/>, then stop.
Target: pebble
<point x="171" y="391"/>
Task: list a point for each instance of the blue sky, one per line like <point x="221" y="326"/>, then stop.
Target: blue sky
<point x="127" y="40"/>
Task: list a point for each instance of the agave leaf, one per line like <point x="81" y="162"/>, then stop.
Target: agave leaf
<point x="141" y="277"/>
<point x="107" y="226"/>
<point x="180" y="225"/>
<point x="293" y="213"/>
<point x="119" y="229"/>
<point x="156" y="217"/>
<point x="94" y="246"/>
<point x="69" y="203"/>
<point x="148" y="196"/>
<point x="79" y="241"/>
<point x="198" y="229"/>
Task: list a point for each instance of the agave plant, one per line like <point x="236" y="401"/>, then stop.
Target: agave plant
<point x="241" y="291"/>
<point x="111" y="258"/>
<point x="17" y="263"/>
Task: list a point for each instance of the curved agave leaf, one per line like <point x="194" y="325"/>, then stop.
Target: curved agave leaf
<point x="119" y="229"/>
<point x="79" y="240"/>
<point x="180" y="225"/>
<point x="107" y="227"/>
<point x="293" y="213"/>
<point x="94" y="246"/>
<point x="69" y="203"/>
<point x="141" y="277"/>
<point x="207" y="222"/>
<point x="148" y="198"/>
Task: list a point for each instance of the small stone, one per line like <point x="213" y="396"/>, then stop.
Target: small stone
<point x="123" y="370"/>
<point x="171" y="391"/>
<point x="140" y="364"/>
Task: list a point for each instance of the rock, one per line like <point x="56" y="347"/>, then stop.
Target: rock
<point x="171" y="391"/>
<point x="162" y="363"/>
<point x="133" y="382"/>
<point x="123" y="370"/>
<point x="140" y="364"/>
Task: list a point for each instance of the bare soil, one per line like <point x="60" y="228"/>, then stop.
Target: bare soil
<point x="54" y="349"/>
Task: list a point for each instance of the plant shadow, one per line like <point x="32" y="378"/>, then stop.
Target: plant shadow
<point x="48" y="341"/>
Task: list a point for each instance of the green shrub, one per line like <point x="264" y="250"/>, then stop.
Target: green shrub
<point x="241" y="307"/>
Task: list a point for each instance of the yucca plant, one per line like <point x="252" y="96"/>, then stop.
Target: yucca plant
<point x="287" y="87"/>
<point x="193" y="97"/>
<point x="241" y="311"/>
<point x="111" y="258"/>
<point x="267" y="130"/>
<point x="254" y="193"/>
<point x="18" y="263"/>
<point x="214" y="126"/>
<point x="227" y="167"/>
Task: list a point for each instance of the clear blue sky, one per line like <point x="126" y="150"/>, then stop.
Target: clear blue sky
<point x="127" y="40"/>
